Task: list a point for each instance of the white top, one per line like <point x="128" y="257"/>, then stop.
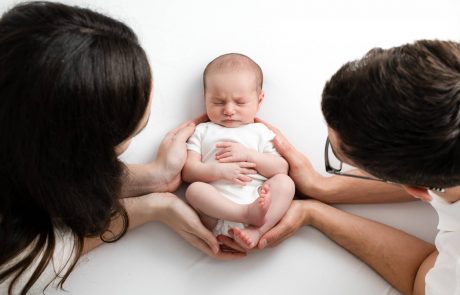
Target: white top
<point x="444" y="277"/>
<point x="60" y="261"/>
<point x="254" y="136"/>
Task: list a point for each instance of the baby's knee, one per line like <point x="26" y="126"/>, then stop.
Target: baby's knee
<point x="193" y="190"/>
<point x="285" y="182"/>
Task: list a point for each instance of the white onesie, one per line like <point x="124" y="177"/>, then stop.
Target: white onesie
<point x="255" y="136"/>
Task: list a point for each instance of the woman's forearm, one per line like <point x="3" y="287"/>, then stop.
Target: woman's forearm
<point x="141" y="179"/>
<point x="140" y="210"/>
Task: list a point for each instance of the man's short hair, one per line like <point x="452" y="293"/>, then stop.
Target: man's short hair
<point x="397" y="112"/>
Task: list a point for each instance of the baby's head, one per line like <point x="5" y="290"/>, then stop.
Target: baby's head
<point x="232" y="89"/>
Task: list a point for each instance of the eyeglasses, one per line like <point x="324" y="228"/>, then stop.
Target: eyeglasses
<point x="334" y="166"/>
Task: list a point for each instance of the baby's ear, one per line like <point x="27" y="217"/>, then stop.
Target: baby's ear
<point x="261" y="96"/>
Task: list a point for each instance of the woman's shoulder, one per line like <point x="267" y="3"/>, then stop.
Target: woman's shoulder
<point x="61" y="260"/>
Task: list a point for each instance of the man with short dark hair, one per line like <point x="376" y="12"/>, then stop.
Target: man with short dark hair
<point x="395" y="116"/>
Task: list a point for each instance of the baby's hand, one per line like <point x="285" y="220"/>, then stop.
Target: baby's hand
<point x="237" y="172"/>
<point x="228" y="152"/>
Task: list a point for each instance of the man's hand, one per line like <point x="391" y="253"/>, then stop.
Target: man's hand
<point x="301" y="170"/>
<point x="296" y="216"/>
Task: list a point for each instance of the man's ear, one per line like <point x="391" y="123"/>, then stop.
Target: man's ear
<point x="419" y="193"/>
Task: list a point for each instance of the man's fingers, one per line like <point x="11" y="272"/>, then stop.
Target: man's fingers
<point x="270" y="126"/>
<point x="274" y="236"/>
<point x="284" y="147"/>
<point x="280" y="142"/>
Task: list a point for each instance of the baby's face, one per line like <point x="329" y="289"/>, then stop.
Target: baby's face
<point x="232" y="98"/>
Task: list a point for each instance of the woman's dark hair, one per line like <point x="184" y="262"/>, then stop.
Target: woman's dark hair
<point x="73" y="85"/>
<point x="397" y="112"/>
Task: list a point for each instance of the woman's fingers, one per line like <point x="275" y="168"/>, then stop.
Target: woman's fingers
<point x="200" y="119"/>
<point x="204" y="247"/>
<point x="230" y="244"/>
<point x="182" y="133"/>
<point x="206" y="236"/>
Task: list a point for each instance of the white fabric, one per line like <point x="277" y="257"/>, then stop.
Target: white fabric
<point x="254" y="136"/>
<point x="444" y="277"/>
<point x="60" y="262"/>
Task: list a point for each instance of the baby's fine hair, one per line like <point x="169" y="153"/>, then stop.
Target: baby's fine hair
<point x="234" y="62"/>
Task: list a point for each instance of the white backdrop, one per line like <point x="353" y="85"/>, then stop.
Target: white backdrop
<point x="299" y="44"/>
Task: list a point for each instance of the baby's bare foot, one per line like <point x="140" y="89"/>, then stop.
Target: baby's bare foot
<point x="258" y="208"/>
<point x="247" y="238"/>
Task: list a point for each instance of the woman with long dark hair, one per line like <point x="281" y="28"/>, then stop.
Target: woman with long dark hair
<point x="75" y="87"/>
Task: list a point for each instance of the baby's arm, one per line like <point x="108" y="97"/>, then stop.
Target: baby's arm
<point x="195" y="170"/>
<point x="267" y="164"/>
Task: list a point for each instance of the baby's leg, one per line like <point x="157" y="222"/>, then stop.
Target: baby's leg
<point x="207" y="200"/>
<point x="282" y="189"/>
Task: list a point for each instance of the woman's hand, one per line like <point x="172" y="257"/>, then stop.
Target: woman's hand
<point x="298" y="215"/>
<point x="301" y="171"/>
<point x="172" y="154"/>
<point x="183" y="219"/>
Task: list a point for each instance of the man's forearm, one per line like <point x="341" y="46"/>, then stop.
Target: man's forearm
<point x="395" y="255"/>
<point x="342" y="189"/>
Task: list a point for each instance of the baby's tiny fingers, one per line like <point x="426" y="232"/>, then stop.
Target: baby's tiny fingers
<point x="247" y="165"/>
<point x="223" y="155"/>
<point x="223" y="144"/>
<point x="238" y="181"/>
<point x="248" y="171"/>
<point x="244" y="178"/>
